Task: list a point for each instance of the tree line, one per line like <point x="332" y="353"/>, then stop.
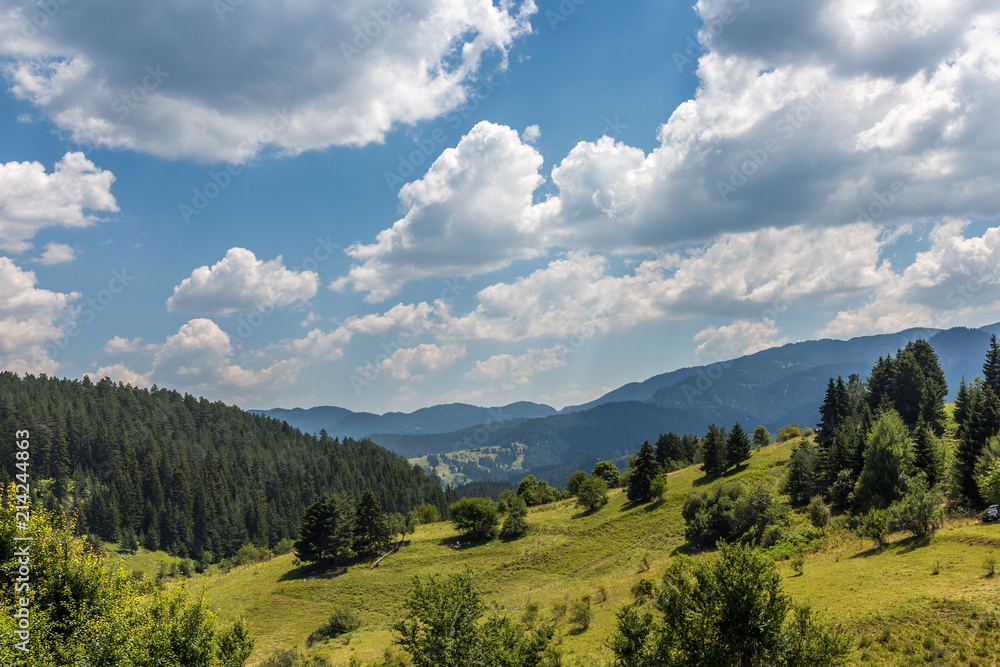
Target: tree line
<point x="187" y="475"/>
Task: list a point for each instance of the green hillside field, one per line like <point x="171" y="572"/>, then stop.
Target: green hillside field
<point x="915" y="602"/>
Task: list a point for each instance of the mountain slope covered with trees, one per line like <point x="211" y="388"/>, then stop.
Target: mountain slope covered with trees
<point x="165" y="470"/>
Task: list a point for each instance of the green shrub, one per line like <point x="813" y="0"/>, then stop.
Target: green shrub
<point x="341" y="622"/>
<point x="476" y="517"/>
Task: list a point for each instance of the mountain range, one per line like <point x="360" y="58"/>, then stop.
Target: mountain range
<point x="773" y="387"/>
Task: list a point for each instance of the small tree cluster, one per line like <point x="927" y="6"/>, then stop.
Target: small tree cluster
<point x="334" y="532"/>
<point x="727" y="610"/>
<point x="442" y="628"/>
<point x="476" y="517"/>
<point x="592" y="492"/>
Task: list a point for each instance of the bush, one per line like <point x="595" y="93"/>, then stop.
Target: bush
<point x="727" y="610"/>
<point x="592" y="492"/>
<point x="581" y="614"/>
<point x="819" y="513"/>
<point x="248" y="554"/>
<point x="427" y="513"/>
<point x="874" y="526"/>
<point x="341" y="622"/>
<point x="284" y="546"/>
<point x="575" y="480"/>
<point x="609" y="472"/>
<point x="477" y="517"/>
<point x="920" y="511"/>
<point x="732" y="511"/>
<point x="789" y="432"/>
<point x="442" y="628"/>
<point x="515" y="526"/>
<point x="643" y="589"/>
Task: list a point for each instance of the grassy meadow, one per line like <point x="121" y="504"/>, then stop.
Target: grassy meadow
<point x="916" y="602"/>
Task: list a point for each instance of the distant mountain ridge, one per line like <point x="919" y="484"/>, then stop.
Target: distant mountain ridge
<point x="772" y="387"/>
<point x="434" y="419"/>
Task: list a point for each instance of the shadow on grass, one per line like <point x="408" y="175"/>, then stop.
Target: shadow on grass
<point x="460" y="542"/>
<point x="588" y="512"/>
<point x="913" y="543"/>
<point x="315" y="571"/>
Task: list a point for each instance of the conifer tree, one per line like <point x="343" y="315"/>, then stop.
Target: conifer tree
<point x="371" y="530"/>
<point x="642" y="474"/>
<point x="714" y="455"/>
<point x="737" y="446"/>
<point x="991" y="367"/>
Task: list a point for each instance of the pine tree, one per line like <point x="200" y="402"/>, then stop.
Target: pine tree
<point x="327" y="532"/>
<point x="737" y="446"/>
<point x="371" y="529"/>
<point x="882" y="384"/>
<point x="642" y="474"/>
<point x="714" y="457"/>
<point x="991" y="367"/>
<point x="926" y="450"/>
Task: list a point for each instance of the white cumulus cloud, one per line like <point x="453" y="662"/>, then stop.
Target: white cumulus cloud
<point x="32" y="321"/>
<point x="240" y="281"/>
<point x="32" y="199"/>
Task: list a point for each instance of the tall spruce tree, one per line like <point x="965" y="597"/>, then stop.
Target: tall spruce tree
<point x="991" y="367"/>
<point x="327" y="532"/>
<point x="737" y="446"/>
<point x="371" y="530"/>
<point x="714" y="455"/>
<point x="642" y="474"/>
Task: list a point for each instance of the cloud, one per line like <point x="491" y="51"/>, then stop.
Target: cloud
<point x="738" y="339"/>
<point x="296" y="76"/>
<point x="746" y="275"/>
<point x="471" y="213"/>
<point x="805" y="117"/>
<point x="120" y="373"/>
<point x="31" y="199"/>
<point x="29" y="318"/>
<point x="519" y="367"/>
<point x="409" y="319"/>
<point x="955" y="280"/>
<point x="199" y="356"/>
<point x="531" y="134"/>
<point x="56" y="253"/>
<point x="415" y="363"/>
<point x="121" y="344"/>
<point x="239" y="282"/>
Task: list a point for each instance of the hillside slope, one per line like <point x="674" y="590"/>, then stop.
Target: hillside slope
<point x="891" y="600"/>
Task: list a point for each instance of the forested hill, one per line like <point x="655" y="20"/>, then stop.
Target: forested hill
<point x="182" y="473"/>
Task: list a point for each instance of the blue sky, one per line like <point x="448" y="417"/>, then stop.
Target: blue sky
<point x="387" y="204"/>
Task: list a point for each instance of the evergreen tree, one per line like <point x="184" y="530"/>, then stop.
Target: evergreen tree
<point x="737" y="446"/>
<point x="888" y="462"/>
<point x="327" y="532"/>
<point x="668" y="448"/>
<point x="835" y="409"/>
<point x="371" y="530"/>
<point x="991" y="367"/>
<point x="882" y="384"/>
<point x="641" y="475"/>
<point x="714" y="459"/>
<point x="927" y="452"/>
<point x="800" y="484"/>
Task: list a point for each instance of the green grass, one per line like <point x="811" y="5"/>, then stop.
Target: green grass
<point x="900" y="611"/>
